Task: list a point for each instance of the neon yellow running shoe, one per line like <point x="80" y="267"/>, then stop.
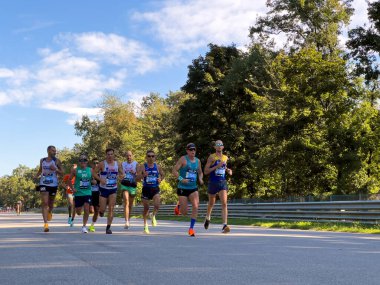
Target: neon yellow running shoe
<point x="91" y="228"/>
<point x="154" y="221"/>
<point x="146" y="229"/>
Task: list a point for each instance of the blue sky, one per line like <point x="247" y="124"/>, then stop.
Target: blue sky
<point x="56" y="60"/>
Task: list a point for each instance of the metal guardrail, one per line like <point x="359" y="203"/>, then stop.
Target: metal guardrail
<point x="345" y="211"/>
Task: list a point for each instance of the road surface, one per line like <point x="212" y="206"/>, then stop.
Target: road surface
<point x="248" y="255"/>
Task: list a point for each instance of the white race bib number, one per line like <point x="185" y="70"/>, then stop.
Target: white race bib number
<point x="151" y="179"/>
<point x="220" y="172"/>
<point x="192" y="176"/>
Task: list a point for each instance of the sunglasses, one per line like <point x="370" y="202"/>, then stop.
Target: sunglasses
<point x="83" y="160"/>
<point x="96" y="162"/>
<point x="150" y="156"/>
<point x="191" y="149"/>
<point x="218" y="144"/>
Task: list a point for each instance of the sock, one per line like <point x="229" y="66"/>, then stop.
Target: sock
<point x="208" y="218"/>
<point x="108" y="227"/>
<point x="192" y="223"/>
<point x="224" y="225"/>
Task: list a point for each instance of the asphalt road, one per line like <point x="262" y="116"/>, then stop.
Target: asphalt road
<point x="247" y="255"/>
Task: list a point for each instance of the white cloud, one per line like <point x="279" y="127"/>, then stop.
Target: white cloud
<point x="113" y="49"/>
<point x="188" y="25"/>
<point x="360" y="16"/>
<point x="80" y="71"/>
<point x="74" y="109"/>
<point x="6" y="73"/>
<point x="136" y="97"/>
<point x="4" y="98"/>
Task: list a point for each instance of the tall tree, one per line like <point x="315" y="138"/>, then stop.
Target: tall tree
<point x="306" y="23"/>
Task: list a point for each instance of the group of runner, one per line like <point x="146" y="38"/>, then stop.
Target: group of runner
<point x="94" y="185"/>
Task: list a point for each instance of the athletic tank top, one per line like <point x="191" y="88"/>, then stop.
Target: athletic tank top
<point x="127" y="168"/>
<point x="189" y="171"/>
<point x="110" y="174"/>
<point x="220" y="173"/>
<point x="151" y="179"/>
<point x="83" y="179"/>
<point x="48" y="176"/>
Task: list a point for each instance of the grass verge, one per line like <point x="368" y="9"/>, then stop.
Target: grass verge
<point x="354" y="227"/>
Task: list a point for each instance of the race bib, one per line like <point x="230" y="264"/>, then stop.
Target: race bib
<point x="192" y="176"/>
<point x="47" y="180"/>
<point x="220" y="172"/>
<point x="94" y="188"/>
<point x="111" y="182"/>
<point x="151" y="179"/>
<point x="129" y="177"/>
<point x="84" y="184"/>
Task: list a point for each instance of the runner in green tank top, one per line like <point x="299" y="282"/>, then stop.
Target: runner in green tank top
<point x="82" y="189"/>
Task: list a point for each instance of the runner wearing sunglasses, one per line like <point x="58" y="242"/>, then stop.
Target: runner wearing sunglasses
<point x="188" y="170"/>
<point x="216" y="166"/>
<point x="152" y="175"/>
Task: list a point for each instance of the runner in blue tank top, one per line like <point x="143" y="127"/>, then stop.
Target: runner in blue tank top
<point x="109" y="171"/>
<point x="152" y="175"/>
<point x="216" y="166"/>
<point x="50" y="168"/>
<point x="188" y="170"/>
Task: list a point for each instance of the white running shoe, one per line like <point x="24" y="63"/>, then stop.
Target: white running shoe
<point x="126" y="226"/>
<point x="84" y="230"/>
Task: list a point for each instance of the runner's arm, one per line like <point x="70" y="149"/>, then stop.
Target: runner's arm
<point x="200" y="173"/>
<point x="98" y="168"/>
<point x="229" y="170"/>
<point x="161" y="172"/>
<point x="208" y="164"/>
<point x="176" y="168"/>
<point x="59" y="167"/>
<point x="69" y="181"/>
<point x="39" y="170"/>
<point x="139" y="172"/>
<point x="120" y="170"/>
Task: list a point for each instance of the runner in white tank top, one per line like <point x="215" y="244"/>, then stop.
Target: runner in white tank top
<point x="50" y="167"/>
<point x="110" y="172"/>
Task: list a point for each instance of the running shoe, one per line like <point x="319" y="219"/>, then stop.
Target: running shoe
<point x="154" y="221"/>
<point x="146" y="229"/>
<point x="101" y="214"/>
<point x="91" y="228"/>
<point x="46" y="228"/>
<point x="108" y="232"/>
<point x="69" y="220"/>
<point x="191" y="232"/>
<point x="176" y="210"/>
<point x="71" y="223"/>
<point x="226" y="229"/>
<point x="50" y="216"/>
<point x="206" y="224"/>
<point x="126" y="226"/>
<point x="84" y="230"/>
